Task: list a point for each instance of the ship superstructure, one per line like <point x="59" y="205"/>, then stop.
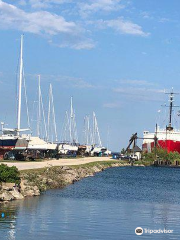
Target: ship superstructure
<point x="168" y="137"/>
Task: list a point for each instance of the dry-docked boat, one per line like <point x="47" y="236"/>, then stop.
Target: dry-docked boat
<point x="65" y="148"/>
<point x="11" y="138"/>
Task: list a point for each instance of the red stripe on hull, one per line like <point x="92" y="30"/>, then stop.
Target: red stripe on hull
<point x="170" y="145"/>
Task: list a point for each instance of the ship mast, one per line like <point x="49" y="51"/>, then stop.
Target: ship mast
<point x="170" y="109"/>
<point x="20" y="87"/>
<point x="171" y="106"/>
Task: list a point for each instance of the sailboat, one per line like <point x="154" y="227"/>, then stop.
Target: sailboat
<point x="70" y="144"/>
<point x="43" y="145"/>
<point x="92" y="139"/>
<point x="36" y="143"/>
<point x="11" y="137"/>
<point x="52" y="137"/>
<point x="96" y="139"/>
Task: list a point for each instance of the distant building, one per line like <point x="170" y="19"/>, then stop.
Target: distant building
<point x="137" y="151"/>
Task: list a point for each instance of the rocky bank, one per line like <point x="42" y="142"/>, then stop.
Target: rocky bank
<point x="33" y="182"/>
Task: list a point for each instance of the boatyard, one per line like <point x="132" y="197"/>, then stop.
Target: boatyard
<point x="89" y="120"/>
<point x="43" y="142"/>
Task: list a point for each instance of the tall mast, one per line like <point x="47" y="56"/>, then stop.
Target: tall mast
<point x="20" y="86"/>
<point x="49" y="112"/>
<point x="86" y="130"/>
<point x="54" y="117"/>
<point x="71" y="121"/>
<point x="93" y="130"/>
<point x="39" y="106"/>
<point x="171" y="106"/>
<point x="51" y="104"/>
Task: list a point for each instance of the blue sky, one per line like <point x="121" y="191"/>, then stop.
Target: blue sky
<point x="115" y="57"/>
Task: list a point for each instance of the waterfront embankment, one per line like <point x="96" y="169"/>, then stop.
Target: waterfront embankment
<point x="52" y="162"/>
<point x="36" y="180"/>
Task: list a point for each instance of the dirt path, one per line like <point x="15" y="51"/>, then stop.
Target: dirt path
<point x="60" y="162"/>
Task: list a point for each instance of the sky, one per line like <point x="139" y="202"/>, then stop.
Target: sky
<point x="115" y="57"/>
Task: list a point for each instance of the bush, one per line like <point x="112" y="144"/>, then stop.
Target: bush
<point x="9" y="174"/>
<point x="161" y="154"/>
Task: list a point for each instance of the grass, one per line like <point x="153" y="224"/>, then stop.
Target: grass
<point x="91" y="164"/>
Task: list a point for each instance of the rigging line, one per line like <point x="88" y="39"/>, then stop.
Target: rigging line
<point x="44" y="120"/>
<point x="97" y="132"/>
<point x="68" y="125"/>
<point x="64" y="129"/>
<point x="26" y="100"/>
<point x="99" y="138"/>
<point x="54" y="117"/>
<point x="49" y="109"/>
<point x="84" y="132"/>
<point x="62" y="137"/>
<point x="75" y="128"/>
<point x="16" y="91"/>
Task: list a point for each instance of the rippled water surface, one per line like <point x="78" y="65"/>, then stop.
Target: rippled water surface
<point x="108" y="206"/>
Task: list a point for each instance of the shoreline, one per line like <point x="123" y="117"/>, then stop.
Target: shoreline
<point x="37" y="180"/>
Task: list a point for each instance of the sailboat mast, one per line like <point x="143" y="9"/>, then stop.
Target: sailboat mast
<point x="51" y="112"/>
<point x="39" y="106"/>
<point x="20" y="86"/>
<point x="71" y="121"/>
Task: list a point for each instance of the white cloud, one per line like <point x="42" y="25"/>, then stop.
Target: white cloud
<point x="77" y="43"/>
<point x="122" y="26"/>
<point x="99" y="5"/>
<point x="43" y="22"/>
<point x="66" y="81"/>
<point x="113" y="105"/>
<point x="136" y="82"/>
<point x="147" y="15"/>
<point x="140" y="93"/>
<point x="35" y="22"/>
<point x="164" y="20"/>
<point x="45" y="3"/>
<point x="74" y="82"/>
<point x="56" y="28"/>
<point x="22" y="2"/>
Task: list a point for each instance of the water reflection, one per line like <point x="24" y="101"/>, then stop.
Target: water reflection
<point x="108" y="206"/>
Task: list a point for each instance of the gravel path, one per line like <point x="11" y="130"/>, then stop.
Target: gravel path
<point x="60" y="162"/>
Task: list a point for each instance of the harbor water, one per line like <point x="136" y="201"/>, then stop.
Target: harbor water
<point x="110" y="205"/>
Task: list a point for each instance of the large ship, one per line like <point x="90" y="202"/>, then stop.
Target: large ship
<point x="167" y="137"/>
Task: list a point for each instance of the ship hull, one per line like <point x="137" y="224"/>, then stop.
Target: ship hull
<point x="7" y="145"/>
<point x="170" y="145"/>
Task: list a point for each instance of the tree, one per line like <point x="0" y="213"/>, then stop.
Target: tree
<point x="123" y="151"/>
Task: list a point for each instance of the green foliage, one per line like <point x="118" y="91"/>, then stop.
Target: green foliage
<point x="161" y="154"/>
<point x="123" y="151"/>
<point x="9" y="174"/>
